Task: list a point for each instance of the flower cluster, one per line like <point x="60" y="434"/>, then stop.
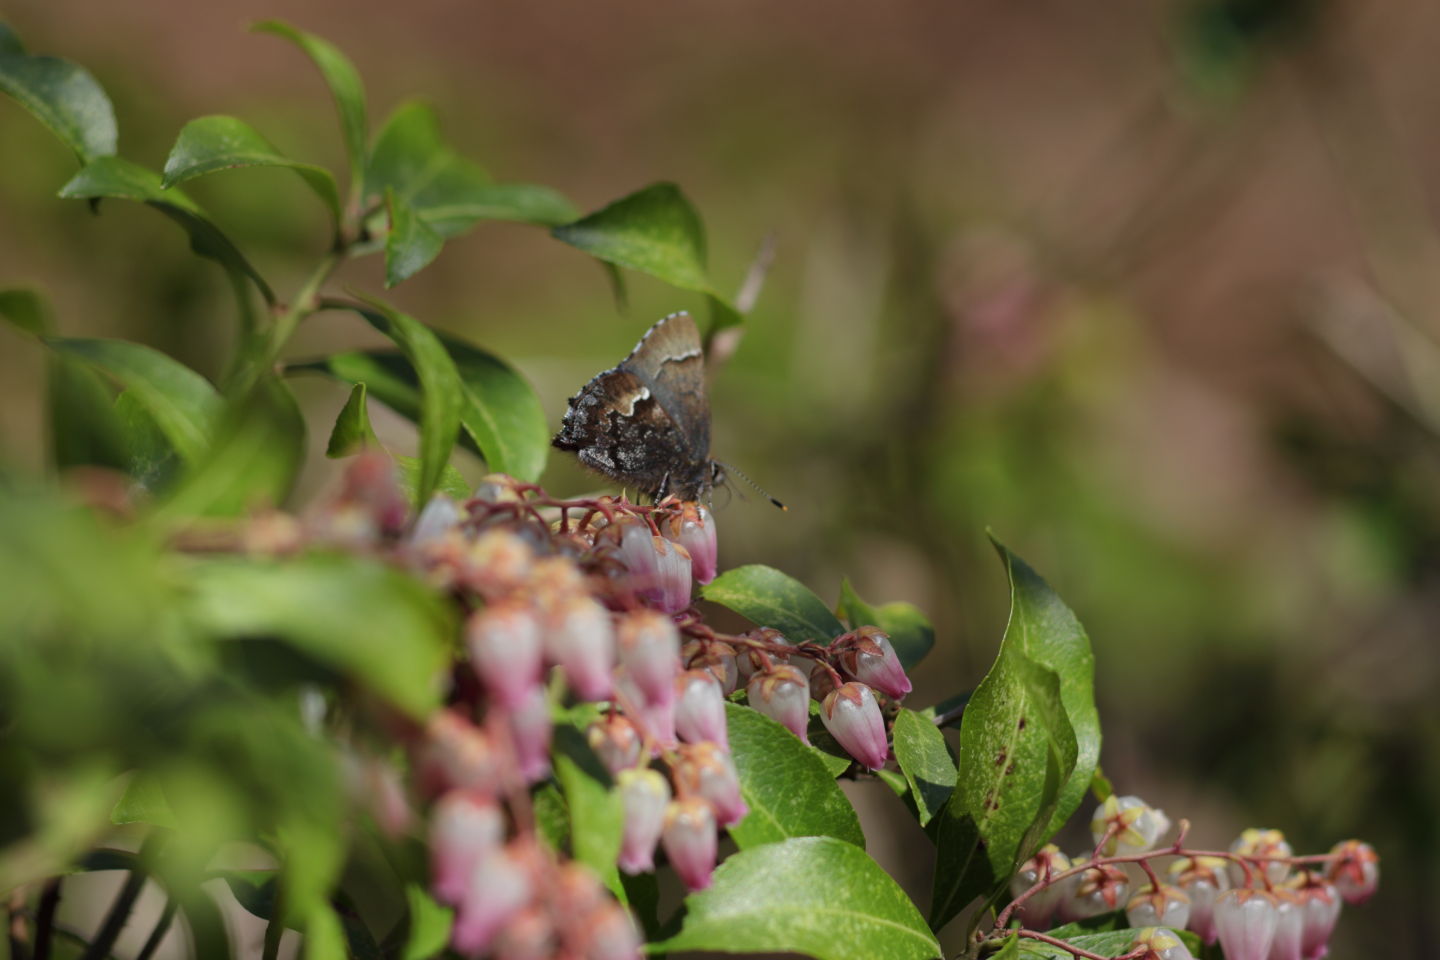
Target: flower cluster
<point x="1259" y="900"/>
<point x="580" y="612"/>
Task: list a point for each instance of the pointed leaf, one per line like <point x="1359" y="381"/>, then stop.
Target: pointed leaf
<point x="655" y="230"/>
<point x="60" y="94"/>
<point x="224" y="143"/>
<point x="786" y="785"/>
<point x="769" y="598"/>
<point x="26" y="310"/>
<point x="910" y="631"/>
<point x="352" y="431"/>
<point x="816" y="896"/>
<point x="925" y="761"/>
<point x="410" y="244"/>
<point x="597" y="813"/>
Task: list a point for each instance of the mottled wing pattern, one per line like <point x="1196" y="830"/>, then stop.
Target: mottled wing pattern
<point x="670" y="361"/>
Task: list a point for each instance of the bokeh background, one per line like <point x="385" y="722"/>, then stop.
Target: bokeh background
<point x="1150" y="289"/>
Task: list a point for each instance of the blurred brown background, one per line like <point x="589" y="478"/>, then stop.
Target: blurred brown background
<point x="1149" y="289"/>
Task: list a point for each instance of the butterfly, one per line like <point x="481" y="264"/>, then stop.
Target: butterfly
<point x="646" y="422"/>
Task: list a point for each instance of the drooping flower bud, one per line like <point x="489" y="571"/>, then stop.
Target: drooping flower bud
<point x="782" y="693"/>
<point x="694" y="529"/>
<point x="500" y="886"/>
<point x="1289" y="925"/>
<point x="1038" y="910"/>
<point x="655" y="721"/>
<point x="578" y="634"/>
<point x="1160" y="944"/>
<point x="689" y="840"/>
<point x="646" y="794"/>
<point x="1135" y="825"/>
<point x="853" y="718"/>
<point x="440" y="517"/>
<point x="1320" y="909"/>
<point x="499" y="562"/>
<point x="659" y="570"/>
<point x="610" y="934"/>
<point x="530" y="935"/>
<point x="1204" y="879"/>
<point x="616" y="741"/>
<point x="1102" y="889"/>
<point x="649" y="647"/>
<point x="717" y="657"/>
<point x="1246" y="919"/>
<point x="705" y="770"/>
<point x="554" y="578"/>
<point x="464" y="827"/>
<point x="1266" y="847"/>
<point x="700" y="709"/>
<point x="456" y="753"/>
<point x="1355" y="870"/>
<point x="1166" y="907"/>
<point x="504" y="643"/>
<point x="750" y="661"/>
<point x="530" y="730"/>
<point x="870" y="658"/>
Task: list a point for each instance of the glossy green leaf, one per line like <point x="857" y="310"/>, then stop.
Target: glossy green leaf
<point x="442" y="395"/>
<point x="1113" y="943"/>
<point x="85" y="429"/>
<point x="910" y="631"/>
<point x="26" y="310"/>
<point x="655" y="230"/>
<point x="60" y="94"/>
<point x="515" y="202"/>
<point x="816" y="896"/>
<point x="452" y="483"/>
<point x="769" y="598"/>
<point x="114" y="177"/>
<point x="150" y="457"/>
<point x="1029" y="740"/>
<point x="429" y="924"/>
<point x="597" y="814"/>
<point x="216" y="143"/>
<point x="352" y="431"/>
<point x="789" y="790"/>
<point x="378" y="626"/>
<point x="925" y="761"/>
<point x="411" y="243"/>
<point x="183" y="403"/>
<point x="344" y="83"/>
<point x="143" y="802"/>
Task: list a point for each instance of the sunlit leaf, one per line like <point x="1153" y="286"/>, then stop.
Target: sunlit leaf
<point x="769" y="598"/>
<point x="429" y="924"/>
<point x="910" y="631"/>
<point x="925" y="761"/>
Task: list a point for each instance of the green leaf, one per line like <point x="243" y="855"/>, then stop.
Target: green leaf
<point x="1029" y="740"/>
<point x="183" y="404"/>
<point x="769" y="598"/>
<point x="442" y="395"/>
<point x="324" y="935"/>
<point x="1009" y="951"/>
<point x="380" y="627"/>
<point x="816" y="896"/>
<point x="150" y="457"/>
<point x="515" y="202"/>
<point x="344" y="83"/>
<point x="352" y="431"/>
<point x="452" y="484"/>
<point x="143" y="802"/>
<point x="60" y="94"/>
<point x="655" y="230"/>
<point x="552" y="818"/>
<point x="121" y="179"/>
<point x="925" y="761"/>
<point x="1114" y="943"/>
<point x="429" y="924"/>
<point x="1100" y="786"/>
<point x="410" y="245"/>
<point x="26" y="310"/>
<point x="910" y="631"/>
<point x="788" y="788"/>
<point x="85" y="428"/>
<point x="597" y="813"/>
<point x="224" y="143"/>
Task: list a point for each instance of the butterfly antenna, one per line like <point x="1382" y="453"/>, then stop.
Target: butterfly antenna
<point x="758" y="489"/>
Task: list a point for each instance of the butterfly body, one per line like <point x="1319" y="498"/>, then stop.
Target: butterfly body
<point x="646" y="422"/>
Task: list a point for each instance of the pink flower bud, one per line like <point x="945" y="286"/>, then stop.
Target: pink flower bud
<point x="499" y="563"/>
<point x="1355" y="870"/>
<point x="717" y="657"/>
<point x="650" y="654"/>
<point x="1246" y="919"/>
<point x="870" y="658"/>
<point x="553" y="579"/>
<point x="529" y="936"/>
<point x="1160" y="944"/>
<point x="1101" y="889"/>
<point x="705" y="770"/>
<point x="1166" y="907"/>
<point x="1203" y="878"/>
<point x="504" y="644"/>
<point x="659" y="570"/>
<point x="456" y="753"/>
<point x="694" y="529"/>
<point x="689" y="840"/>
<point x="616" y="741"/>
<point x="654" y="721"/>
<point x="853" y="718"/>
<point x="700" y="709"/>
<point x="610" y="934"/>
<point x="783" y="694"/>
<point x="440" y="517"/>
<point x="464" y="827"/>
<point x="530" y="730"/>
<point x="750" y="661"/>
<point x="1038" y="910"/>
<point x="1261" y="845"/>
<point x="822" y="681"/>
<point x="1319" y="911"/>
<point x="579" y="635"/>
<point x="1135" y="825"/>
<point x="1289" y="926"/>
<point x="646" y="794"/>
<point x="500" y="887"/>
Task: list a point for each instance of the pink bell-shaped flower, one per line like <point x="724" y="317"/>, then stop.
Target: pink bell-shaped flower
<point x="530" y="731"/>
<point x="1038" y="910"/>
<point x="853" y="718"/>
<point x="1204" y="879"/>
<point x="1355" y="870"/>
<point x="705" y="770"/>
<point x="1131" y="824"/>
<point x="500" y="887"/>
<point x="689" y="840"/>
<point x="694" y="529"/>
<point x="1289" y="926"/>
<point x="504" y="644"/>
<point x="499" y="563"/>
<point x="782" y="693"/>
<point x="579" y="635"/>
<point x="700" y="709"/>
<point x="456" y="753"/>
<point x="649" y="647"/>
<point x="870" y="658"/>
<point x="1269" y="848"/>
<point x="1102" y="889"/>
<point x="659" y="570"/>
<point x="1160" y="943"/>
<point x="464" y="828"/>
<point x="1319" y="911"/>
<point x="1166" y="907"/>
<point x="530" y="935"/>
<point x="714" y="656"/>
<point x="646" y="794"/>
<point x="616" y="741"/>
<point x="1246" y="920"/>
<point x="610" y="934"/>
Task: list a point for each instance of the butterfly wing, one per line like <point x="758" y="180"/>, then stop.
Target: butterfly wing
<point x="671" y="362"/>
